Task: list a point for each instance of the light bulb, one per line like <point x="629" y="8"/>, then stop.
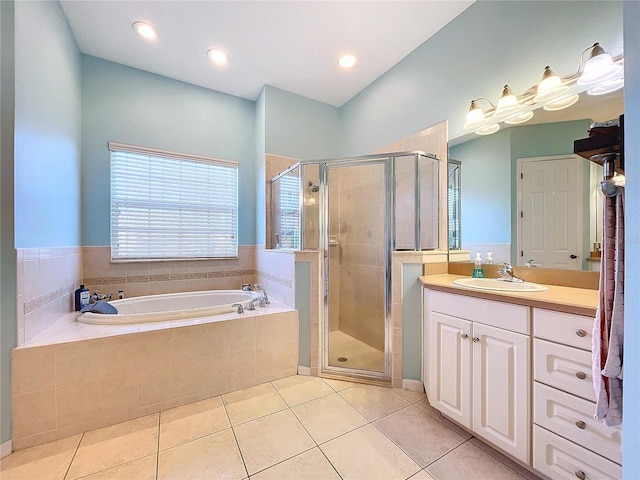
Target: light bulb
<point x="218" y="56"/>
<point x="599" y="67"/>
<point x="549" y="87"/>
<point x="507" y="104"/>
<point x="475" y="116"/>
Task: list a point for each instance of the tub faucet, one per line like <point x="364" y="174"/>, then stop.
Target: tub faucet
<point x="252" y="303"/>
<point x="506" y="274"/>
<point x="260" y="288"/>
<point x="97" y="296"/>
<point x="239" y="307"/>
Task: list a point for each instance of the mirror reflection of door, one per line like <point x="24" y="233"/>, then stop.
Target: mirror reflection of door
<point x="550" y="213"/>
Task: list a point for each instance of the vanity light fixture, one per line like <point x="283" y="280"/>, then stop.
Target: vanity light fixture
<point x="608" y="87"/>
<point x="519" y="118"/>
<point x="599" y="75"/>
<point x="507" y="104"/>
<point x="218" y="56"/>
<point x="549" y="87"/>
<point x="561" y="103"/>
<point x="476" y="116"/>
<point x="145" y="30"/>
<point x="347" y="61"/>
<point x="599" y="67"/>
<point x="488" y="130"/>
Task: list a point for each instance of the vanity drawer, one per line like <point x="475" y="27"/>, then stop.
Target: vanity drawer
<point x="558" y="458"/>
<point x="572" y="418"/>
<point x="574" y="330"/>
<point x="497" y="314"/>
<point x="563" y="367"/>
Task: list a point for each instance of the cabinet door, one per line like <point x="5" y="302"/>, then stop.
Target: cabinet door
<point x="501" y="389"/>
<point x="450" y="366"/>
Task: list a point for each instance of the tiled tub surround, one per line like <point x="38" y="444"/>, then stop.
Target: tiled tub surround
<point x="275" y="270"/>
<point x="75" y="377"/>
<point x="170" y="276"/>
<point x="46" y="279"/>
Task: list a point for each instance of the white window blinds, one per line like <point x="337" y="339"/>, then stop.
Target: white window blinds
<point x="167" y="205"/>
<point x="289" y="212"/>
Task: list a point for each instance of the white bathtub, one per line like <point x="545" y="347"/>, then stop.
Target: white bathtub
<point x="170" y="306"/>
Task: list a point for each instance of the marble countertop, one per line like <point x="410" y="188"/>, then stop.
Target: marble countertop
<point x="579" y="301"/>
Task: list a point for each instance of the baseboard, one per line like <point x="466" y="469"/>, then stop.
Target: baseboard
<point x="5" y="448"/>
<point x="306" y="371"/>
<point x="412" y="385"/>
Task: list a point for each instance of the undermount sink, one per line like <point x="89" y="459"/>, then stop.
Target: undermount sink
<point x="495" y="284"/>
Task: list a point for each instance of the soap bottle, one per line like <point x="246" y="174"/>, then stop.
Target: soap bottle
<point x="81" y="297"/>
<point x="478" y="272"/>
<point x="490" y="258"/>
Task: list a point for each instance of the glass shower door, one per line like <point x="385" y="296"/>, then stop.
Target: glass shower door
<point x="356" y="261"/>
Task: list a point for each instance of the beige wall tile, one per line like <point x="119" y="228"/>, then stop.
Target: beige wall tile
<point x="242" y="334"/>
<point x="153" y="386"/>
<point x="77" y="362"/>
<point x="267" y="330"/>
<point x="186" y="378"/>
<point x="266" y="360"/>
<point x="288" y="327"/>
<point x="33" y="412"/>
<point x="118" y="355"/>
<point x="287" y="355"/>
<point x="77" y="403"/>
<point x="32" y="369"/>
<point x="118" y="394"/>
<point x="242" y="365"/>
<point x="186" y="344"/>
<point x="215" y="337"/>
<point x="216" y="374"/>
<point x="153" y="349"/>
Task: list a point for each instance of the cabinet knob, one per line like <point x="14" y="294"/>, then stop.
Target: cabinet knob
<point x="476" y="339"/>
<point x="581" y="375"/>
<point x="580" y="474"/>
<point x="581" y="425"/>
<point x="464" y="336"/>
<point x="581" y="333"/>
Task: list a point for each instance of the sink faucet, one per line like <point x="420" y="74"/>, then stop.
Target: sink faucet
<point x="260" y="288"/>
<point x="506" y="273"/>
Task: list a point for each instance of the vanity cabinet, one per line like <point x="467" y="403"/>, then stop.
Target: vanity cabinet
<point x="478" y="367"/>
<point x="567" y="442"/>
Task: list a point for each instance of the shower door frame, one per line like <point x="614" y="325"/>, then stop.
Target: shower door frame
<point x="387" y="162"/>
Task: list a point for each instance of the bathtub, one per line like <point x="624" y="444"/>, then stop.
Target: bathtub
<point x="170" y="306"/>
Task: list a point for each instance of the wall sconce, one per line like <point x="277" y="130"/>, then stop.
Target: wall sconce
<point x="600" y="74"/>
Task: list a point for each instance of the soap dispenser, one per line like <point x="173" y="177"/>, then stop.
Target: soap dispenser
<point x="490" y="258"/>
<point x="478" y="272"/>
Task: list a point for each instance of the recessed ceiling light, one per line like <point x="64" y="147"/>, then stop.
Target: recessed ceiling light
<point x="145" y="30"/>
<point x="218" y="56"/>
<point x="347" y="61"/>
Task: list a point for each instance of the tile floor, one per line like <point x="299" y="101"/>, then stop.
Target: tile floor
<point x="358" y="354"/>
<point x="297" y="427"/>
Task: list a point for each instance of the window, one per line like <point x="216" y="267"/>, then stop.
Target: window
<point x="167" y="205"/>
<point x="290" y="212"/>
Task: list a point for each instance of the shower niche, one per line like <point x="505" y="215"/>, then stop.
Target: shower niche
<point x="358" y="211"/>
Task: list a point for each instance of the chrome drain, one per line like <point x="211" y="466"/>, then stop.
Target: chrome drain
<point x="342" y="359"/>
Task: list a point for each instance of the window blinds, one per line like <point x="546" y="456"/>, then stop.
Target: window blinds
<point x="290" y="212"/>
<point x="166" y="205"/>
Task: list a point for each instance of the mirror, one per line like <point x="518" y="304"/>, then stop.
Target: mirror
<point x="491" y="190"/>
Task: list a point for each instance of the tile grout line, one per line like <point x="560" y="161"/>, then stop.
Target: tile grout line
<point x="244" y="463"/>
<point x="74" y="456"/>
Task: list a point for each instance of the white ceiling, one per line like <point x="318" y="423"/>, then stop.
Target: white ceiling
<point x="292" y="45"/>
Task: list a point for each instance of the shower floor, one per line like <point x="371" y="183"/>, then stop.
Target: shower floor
<point x="359" y="355"/>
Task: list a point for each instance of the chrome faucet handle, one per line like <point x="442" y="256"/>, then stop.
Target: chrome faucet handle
<point x="239" y="307"/>
<point x="529" y="263"/>
<point x="252" y="303"/>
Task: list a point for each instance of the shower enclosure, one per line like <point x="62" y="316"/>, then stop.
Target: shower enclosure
<point x="357" y="211"/>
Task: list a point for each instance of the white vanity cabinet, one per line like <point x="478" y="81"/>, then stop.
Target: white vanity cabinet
<point x="567" y="442"/>
<point x="477" y="357"/>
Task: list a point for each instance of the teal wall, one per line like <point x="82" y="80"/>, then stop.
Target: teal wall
<point x="489" y="44"/>
<point x="48" y="128"/>
<point x="303" y="305"/>
<point x="127" y="105"/>
<point x="485" y="188"/>
<point x="411" y="321"/>
<point x="260" y="146"/>
<point x="7" y="252"/>
<point x="299" y="127"/>
<point x="631" y="425"/>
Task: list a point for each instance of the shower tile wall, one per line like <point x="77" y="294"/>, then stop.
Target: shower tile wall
<point x="360" y="252"/>
<point x="275" y="270"/>
<point x="46" y="280"/>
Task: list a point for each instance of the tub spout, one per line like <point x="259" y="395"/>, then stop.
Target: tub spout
<point x="239" y="306"/>
<point x="265" y="297"/>
<point x="252" y="303"/>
